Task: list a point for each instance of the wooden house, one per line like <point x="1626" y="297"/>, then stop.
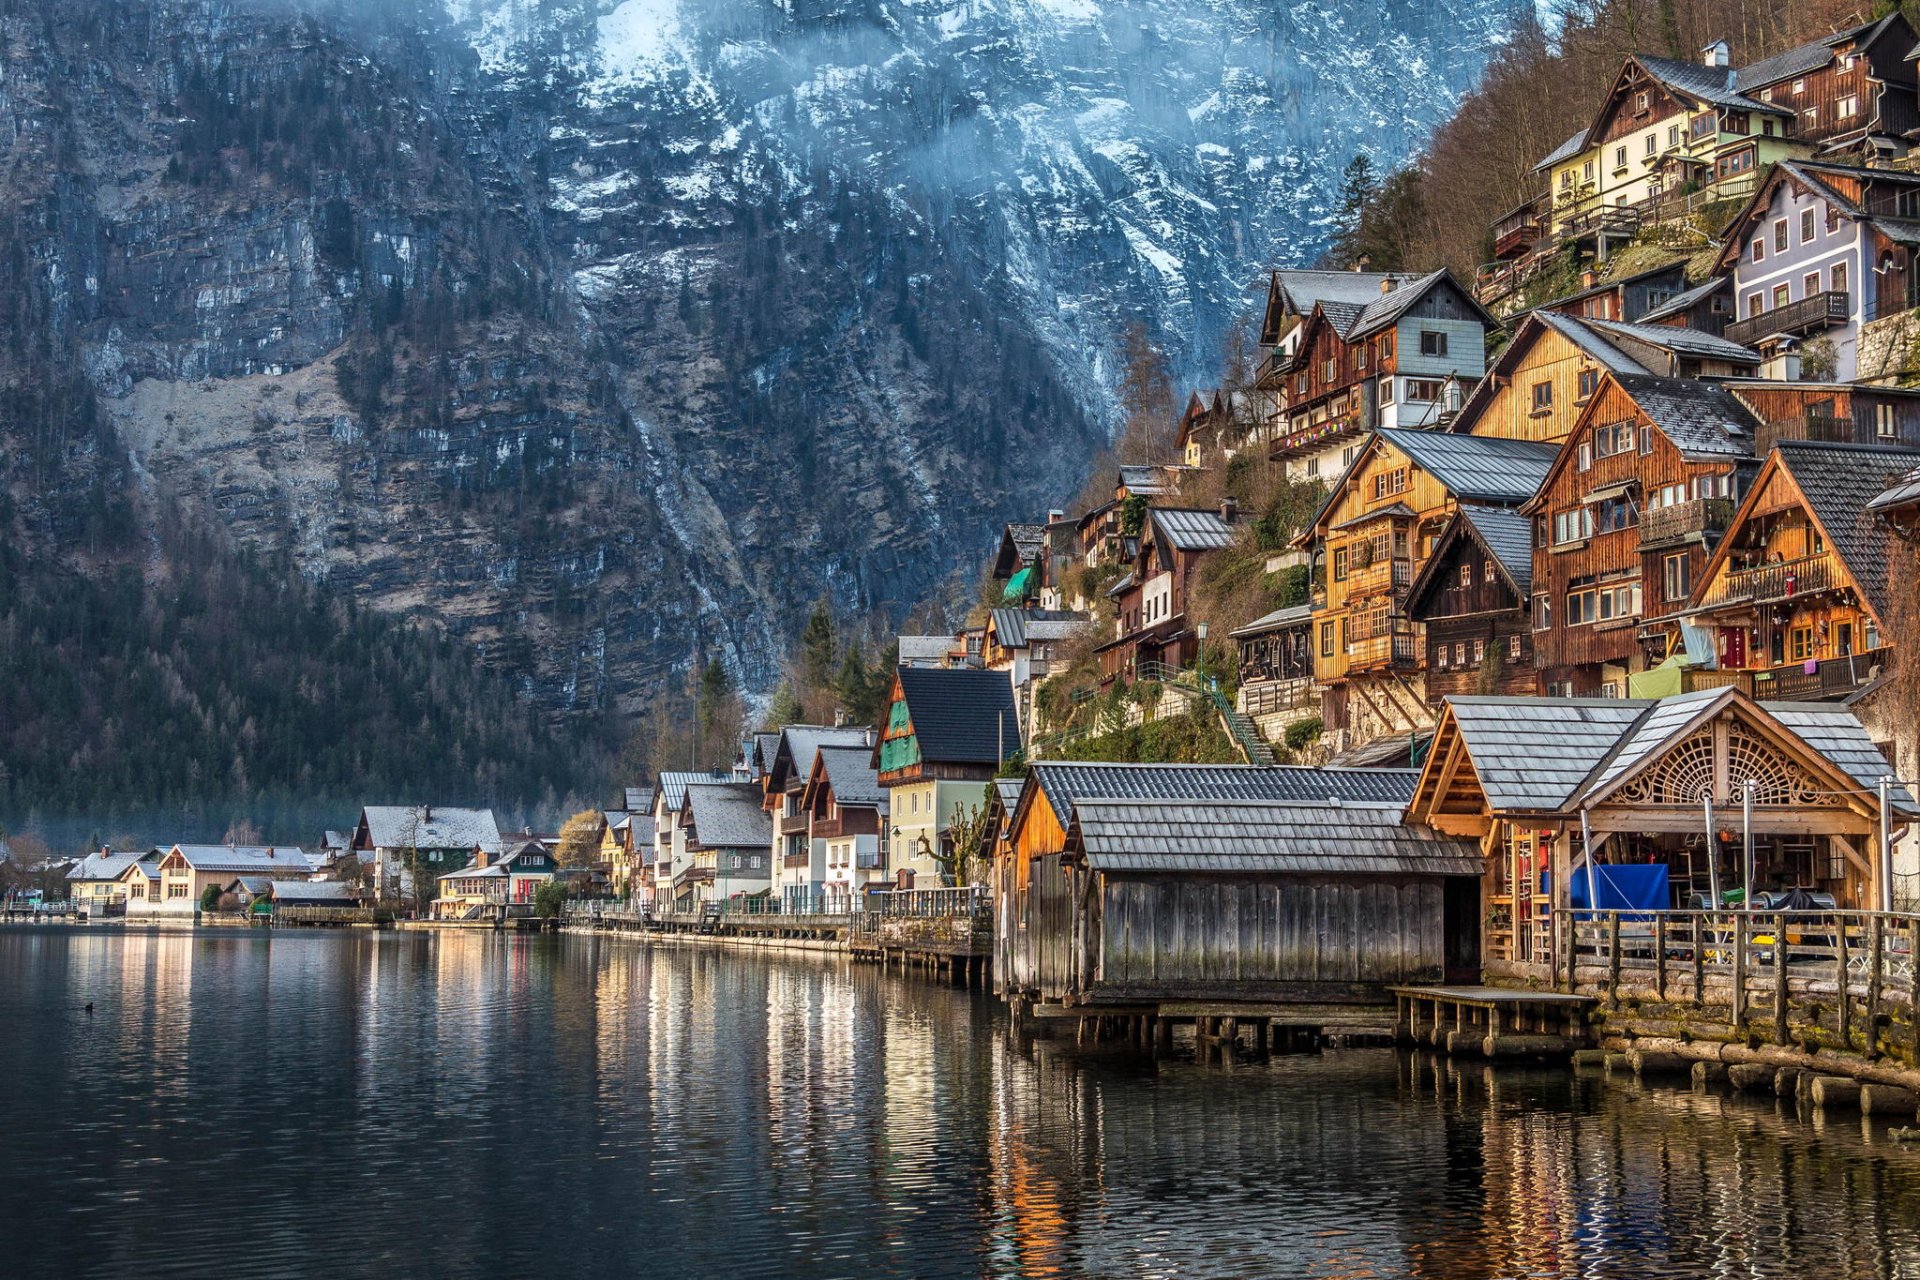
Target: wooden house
<point x="187" y="870"/>
<point x="1151" y="625"/>
<point x="847" y="814"/>
<point x="396" y="840"/>
<point x="1020" y="562"/>
<point x="1043" y="812"/>
<point x="1795" y="596"/>
<point x="493" y="881"/>
<point x="1371" y="538"/>
<point x="1623" y="524"/>
<point x="1471" y="600"/>
<point x="1550" y="787"/>
<point x="798" y="860"/>
<point x="1404" y="359"/>
<point x="1276" y="669"/>
<point x="1542" y="379"/>
<point x="728" y="837"/>
<point x="1819" y="255"/>
<point x="1622" y="298"/>
<point x="947" y="734"/>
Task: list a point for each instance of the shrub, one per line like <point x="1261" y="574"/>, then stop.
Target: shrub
<point x="1302" y="732"/>
<point x="548" y="899"/>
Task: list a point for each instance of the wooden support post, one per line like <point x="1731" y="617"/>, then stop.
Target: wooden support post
<point x="1843" y="996"/>
<point x="1260" y="1037"/>
<point x="1913" y="988"/>
<point x="1613" y="959"/>
<point x="1163" y="1035"/>
<point x="1739" y="975"/>
<point x="1876" y="953"/>
<point x="1780" y="979"/>
<point x="1572" y="931"/>
<point x="1660" y="956"/>
<point x="1700" y="935"/>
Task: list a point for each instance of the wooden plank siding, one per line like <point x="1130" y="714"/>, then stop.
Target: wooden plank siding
<point x="1296" y="937"/>
<point x="1539" y="355"/>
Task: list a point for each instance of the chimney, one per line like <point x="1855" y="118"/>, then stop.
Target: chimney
<point x="1229" y="510"/>
<point x="1362" y="262"/>
<point x="1716" y="54"/>
<point x="1386" y="286"/>
<point x="1589" y="278"/>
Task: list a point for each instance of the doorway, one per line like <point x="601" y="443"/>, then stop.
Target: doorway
<point x="1460" y="928"/>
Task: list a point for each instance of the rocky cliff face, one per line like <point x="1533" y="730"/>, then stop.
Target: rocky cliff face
<point x="612" y="334"/>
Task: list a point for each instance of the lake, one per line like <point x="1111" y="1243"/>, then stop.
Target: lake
<point x="466" y="1104"/>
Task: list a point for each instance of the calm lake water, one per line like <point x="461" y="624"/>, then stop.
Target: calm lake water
<point x="464" y="1104"/>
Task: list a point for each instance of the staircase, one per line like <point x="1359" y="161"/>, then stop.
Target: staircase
<point x="1253" y="748"/>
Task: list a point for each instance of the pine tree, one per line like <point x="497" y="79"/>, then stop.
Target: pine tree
<point x="1358" y="187"/>
<point x="785" y="709"/>
<point x="818" y="650"/>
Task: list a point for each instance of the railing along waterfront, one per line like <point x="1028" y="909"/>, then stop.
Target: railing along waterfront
<point x="1766" y="966"/>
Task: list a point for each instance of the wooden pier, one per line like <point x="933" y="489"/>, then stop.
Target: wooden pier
<point x="1498" y="1022"/>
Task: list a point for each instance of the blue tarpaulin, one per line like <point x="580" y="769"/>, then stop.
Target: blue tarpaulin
<point x="1632" y="886"/>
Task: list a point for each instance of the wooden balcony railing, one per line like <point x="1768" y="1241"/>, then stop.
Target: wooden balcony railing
<point x="1821" y="311"/>
<point x="1805" y="426"/>
<point x="1268" y="697"/>
<point x="1684" y="520"/>
<point x="1830" y="678"/>
<point x="1380" y="577"/>
<point x="1381" y="652"/>
<point x="1767" y="582"/>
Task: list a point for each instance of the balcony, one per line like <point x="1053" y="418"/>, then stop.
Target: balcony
<point x="1806" y="426"/>
<point x="1830" y="678"/>
<point x="1684" y="521"/>
<point x="1809" y="315"/>
<point x="1393" y="575"/>
<point x="796" y="860"/>
<point x="1518" y="232"/>
<point x="1773" y="582"/>
<point x="1379" y="653"/>
<point x="1315" y="436"/>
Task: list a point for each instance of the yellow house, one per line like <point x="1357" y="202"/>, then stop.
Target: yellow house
<point x="1542" y="380"/>
<point x="1370" y="539"/>
<point x="97" y="885"/>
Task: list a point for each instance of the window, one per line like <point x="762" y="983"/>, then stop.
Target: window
<point x="1326" y="639"/>
<point x="1427" y="389"/>
<point x="1848" y="107"/>
<point x="176" y="891"/>
<point x="1566" y="179"/>
<point x="1646" y="441"/>
<point x="1580" y="610"/>
<point x="1313" y="467"/>
<point x="1780" y="235"/>
<point x="1842" y="643"/>
<point x="1640" y="101"/>
<point x="1388" y="483"/>
<point x="1885" y="426"/>
<point x="1800" y="644"/>
<point x="137" y="889"/>
<point x="1757" y="251"/>
<point x="1300" y="384"/>
<point x="1781" y="295"/>
<point x="1614" y="514"/>
<point x="1589" y="383"/>
<point x="1611" y="438"/>
<point x="1572" y="525"/>
<point x="1513" y="647"/>
<point x="1542" y="397"/>
<point x="1833" y="219"/>
<point x="1559" y="688"/>
<point x="1360" y="356"/>
<point x="1676" y="578"/>
<point x="1583" y="460"/>
<point x="1766" y="127"/>
<point x="1673" y="135"/>
<point x="1328" y="369"/>
<point x="1542" y="612"/>
<point x="1756" y="303"/>
<point x="1810" y="284"/>
<point x="1810" y="118"/>
<point x="1806" y="225"/>
<point x="1479" y="651"/>
<point x="1619" y="158"/>
<point x="1443" y="656"/>
<point x="1800" y="86"/>
<point x="1432" y="343"/>
<point x="1587" y="174"/>
<point x="1653" y="146"/>
<point x="1466" y="575"/>
<point x="1766" y="95"/>
<point x="1347" y="455"/>
<point x="1486" y="571"/>
<point x="1837" y="277"/>
<point x="1460" y="654"/>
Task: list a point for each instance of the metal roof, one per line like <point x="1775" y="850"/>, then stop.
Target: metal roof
<point x="1263" y="837"/>
<point x="961" y="716"/>
<point x="1565" y="151"/>
<point x="673" y="785"/>
<point x="1017" y="628"/>
<point x="1899" y="493"/>
<point x="257" y="859"/>
<point x="1690" y="342"/>
<point x="1533" y="753"/>
<point x="1191" y="529"/>
<point x="108" y="865"/>
<point x="924" y="648"/>
<point x="430" y="827"/>
<point x="1487" y="468"/>
<point x="318" y="891"/>
<point x="1279" y="619"/>
<point x="851" y="774"/>
<point x="1685" y="301"/>
<point x="1063" y="783"/>
<point x="1302" y="289"/>
<point x="1508" y="536"/>
<point x="1145" y="481"/>
<point x="728" y="815"/>
<point x="1581" y="333"/>
<point x="1836" y="733"/>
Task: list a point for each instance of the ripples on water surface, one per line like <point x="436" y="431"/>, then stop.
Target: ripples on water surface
<point x="465" y="1104"/>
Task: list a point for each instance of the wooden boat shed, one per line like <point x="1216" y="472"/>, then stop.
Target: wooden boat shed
<point x="1542" y="784"/>
<point x="1249" y="908"/>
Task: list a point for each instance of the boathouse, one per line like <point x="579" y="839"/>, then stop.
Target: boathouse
<point x="1681" y="803"/>
<point x="1236" y="907"/>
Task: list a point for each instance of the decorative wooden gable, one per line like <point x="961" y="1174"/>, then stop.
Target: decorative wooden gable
<point x="1710" y="765"/>
<point x="899" y="747"/>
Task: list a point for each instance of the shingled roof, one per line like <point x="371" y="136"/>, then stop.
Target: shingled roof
<point x="1716" y="85"/>
<point x="1263" y="837"/>
<point x="673" y="785"/>
<point x="1803" y="58"/>
<point x="1192" y="529"/>
<point x="728" y="815"/>
<point x="1062" y="784"/>
<point x="851" y="774"/>
<point x="961" y="716"/>
<point x="1691" y="342"/>
<point x="1302" y="289"/>
<point x="1701" y="420"/>
<point x="1531" y="754"/>
<point x="1476" y="468"/>
<point x="434" y="826"/>
<point x="1839" y="482"/>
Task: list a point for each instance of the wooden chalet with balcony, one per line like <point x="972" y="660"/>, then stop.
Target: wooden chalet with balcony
<point x="1470" y="598"/>
<point x="1151" y="622"/>
<point x="1405" y="359"/>
<point x="1625" y="803"/>
<point x="1795" y="597"/>
<point x="796" y="857"/>
<point x="1635" y="501"/>
<point x="1371" y="538"/>
<point x="1821" y="254"/>
<point x="847" y="815"/>
<point x="1542" y="380"/>
<point x="1276" y="669"/>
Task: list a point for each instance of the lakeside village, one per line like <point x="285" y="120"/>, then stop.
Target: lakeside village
<point x="1513" y="675"/>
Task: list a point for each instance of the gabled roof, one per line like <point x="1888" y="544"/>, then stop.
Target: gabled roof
<point x="728" y="815"/>
<point x="799" y="743"/>
<point x="924" y="648"/>
<point x="1839" y="483"/>
<point x="1708" y="84"/>
<point x="1700" y="419"/>
<point x="1062" y="784"/>
<point x="243" y="859"/>
<point x="850" y="772"/>
<point x="1836" y="733"/>
<point x="673" y="785"/>
<point x="1143" y="481"/>
<point x="1387" y="309"/>
<point x="1263" y="837"/>
<point x="1898" y="493"/>
<point x="1191" y="529"/>
<point x="1811" y="56"/>
<point x="1685" y="301"/>
<point x="1498" y="532"/>
<point x="1532" y="326"/>
<point x="105" y="864"/>
<point x="1689" y="342"/>
<point x="1532" y="754"/>
<point x="1278" y="620"/>
<point x="1572" y="147"/>
<point x="1484" y="468"/>
<point x="1581" y="334"/>
<point x="315" y="891"/>
<point x="1017" y="628"/>
<point x="961" y="716"/>
<point x="430" y="827"/>
<point x="1020" y="545"/>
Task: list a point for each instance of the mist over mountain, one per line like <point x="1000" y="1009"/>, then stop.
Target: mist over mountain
<point x="608" y="336"/>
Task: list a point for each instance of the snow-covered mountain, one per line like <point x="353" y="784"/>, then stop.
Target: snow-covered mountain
<point x="612" y="334"/>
